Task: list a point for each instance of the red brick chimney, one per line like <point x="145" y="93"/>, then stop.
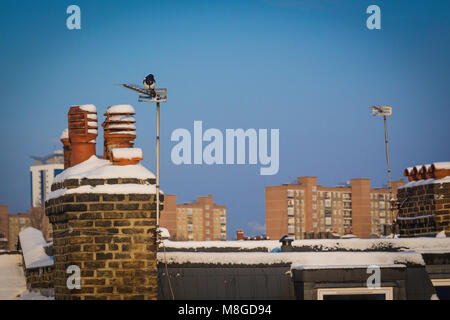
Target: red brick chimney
<point x="82" y="132"/>
<point x="240" y="235"/>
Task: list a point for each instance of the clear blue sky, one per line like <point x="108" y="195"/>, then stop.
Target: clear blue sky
<point x="309" y="68"/>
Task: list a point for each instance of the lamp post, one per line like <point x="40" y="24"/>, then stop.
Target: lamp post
<point x="385" y="111"/>
<point x="152" y="95"/>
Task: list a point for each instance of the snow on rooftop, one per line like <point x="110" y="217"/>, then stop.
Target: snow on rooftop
<point x="32" y="243"/>
<point x="425" y="182"/>
<point x="95" y="168"/>
<point x="93" y="131"/>
<point x="424" y="244"/>
<point x="120" y="108"/>
<point x="12" y="279"/>
<point x="92" y="116"/>
<point x="126" y="153"/>
<point x="64" y="134"/>
<point x="88" y="108"/>
<point x="295" y="259"/>
<point x="126" y="188"/>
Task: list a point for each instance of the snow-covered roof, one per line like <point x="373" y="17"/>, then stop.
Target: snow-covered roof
<point x="32" y="243"/>
<point x="127" y="153"/>
<point x="88" y="108"/>
<point x="95" y="168"/>
<point x="120" y="108"/>
<point x="425" y="244"/>
<point x="296" y="259"/>
<point x="425" y="182"/>
<point x="122" y="126"/>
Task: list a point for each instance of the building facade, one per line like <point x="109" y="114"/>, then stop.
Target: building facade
<point x="300" y="209"/>
<point x="42" y="172"/>
<point x="202" y="220"/>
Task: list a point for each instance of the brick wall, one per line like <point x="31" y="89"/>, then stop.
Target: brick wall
<point x="111" y="237"/>
<point x="39" y="278"/>
<point x="424" y="210"/>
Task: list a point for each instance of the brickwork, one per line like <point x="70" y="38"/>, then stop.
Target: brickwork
<point x="39" y="278"/>
<point x="424" y="210"/>
<point x="111" y="237"/>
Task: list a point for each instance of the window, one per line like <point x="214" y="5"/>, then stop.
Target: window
<point x="442" y="287"/>
<point x="314" y="188"/>
<point x="207" y="215"/>
<point x="207" y="207"/>
<point x="355" y="294"/>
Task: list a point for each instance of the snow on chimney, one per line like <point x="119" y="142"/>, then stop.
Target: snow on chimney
<point x="119" y="131"/>
<point x="83" y="130"/>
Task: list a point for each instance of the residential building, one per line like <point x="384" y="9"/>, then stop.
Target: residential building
<point x="43" y="170"/>
<point x="202" y="220"/>
<point x="306" y="207"/>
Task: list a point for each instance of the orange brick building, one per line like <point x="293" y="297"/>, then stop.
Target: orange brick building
<point x="306" y="207"/>
<point x="197" y="221"/>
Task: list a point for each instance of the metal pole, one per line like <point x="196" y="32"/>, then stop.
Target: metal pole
<point x="388" y="166"/>
<point x="157" y="167"/>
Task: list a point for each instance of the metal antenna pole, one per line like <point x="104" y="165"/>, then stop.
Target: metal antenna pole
<point x="388" y="165"/>
<point x="157" y="167"/>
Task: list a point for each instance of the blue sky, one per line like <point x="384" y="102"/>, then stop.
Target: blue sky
<point x="309" y="68"/>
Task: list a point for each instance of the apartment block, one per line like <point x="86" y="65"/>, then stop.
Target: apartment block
<point x="306" y="207"/>
<point x="202" y="220"/>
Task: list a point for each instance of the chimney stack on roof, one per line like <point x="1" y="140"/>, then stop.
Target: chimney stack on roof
<point x="83" y="130"/>
<point x="437" y="170"/>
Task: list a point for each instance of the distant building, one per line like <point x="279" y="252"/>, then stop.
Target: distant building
<point x="43" y="170"/>
<point x="11" y="224"/>
<point x="300" y="209"/>
<point x="197" y="221"/>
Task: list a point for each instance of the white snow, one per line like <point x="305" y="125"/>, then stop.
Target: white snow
<point x="92" y="141"/>
<point x="240" y="245"/>
<point x="164" y="233"/>
<point x="121" y="109"/>
<point x="442" y="165"/>
<point x="64" y="134"/>
<point x="296" y="259"/>
<point x="107" y="189"/>
<point x="33" y="295"/>
<point x="424" y="244"/>
<point x="415" y="218"/>
<point x="127" y="153"/>
<point x="425" y="182"/>
<point x="441" y="235"/>
<point x="93" y="131"/>
<point x="12" y="279"/>
<point x="122" y="126"/>
<point x="122" y="119"/>
<point x="92" y="124"/>
<point x="95" y="168"/>
<point x="92" y="116"/>
<point x="124" y="132"/>
<point x="88" y="108"/>
<point x="32" y="242"/>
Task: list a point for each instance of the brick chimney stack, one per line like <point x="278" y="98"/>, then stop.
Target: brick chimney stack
<point x="103" y="213"/>
<point x="82" y="132"/>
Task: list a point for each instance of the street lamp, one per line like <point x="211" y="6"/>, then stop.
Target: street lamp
<point x="152" y="95"/>
<point x="385" y="111"/>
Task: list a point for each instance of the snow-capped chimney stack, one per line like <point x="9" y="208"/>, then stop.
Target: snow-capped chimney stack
<point x="66" y="147"/>
<point x="83" y="131"/>
<point x="119" y="131"/>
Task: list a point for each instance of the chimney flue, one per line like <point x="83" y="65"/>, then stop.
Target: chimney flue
<point x="83" y="130"/>
<point x="66" y="147"/>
